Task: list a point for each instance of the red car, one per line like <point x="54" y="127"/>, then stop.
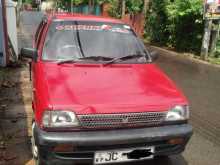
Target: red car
<point x="98" y="97"/>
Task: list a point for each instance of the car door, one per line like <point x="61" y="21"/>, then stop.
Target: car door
<point x="37" y="42"/>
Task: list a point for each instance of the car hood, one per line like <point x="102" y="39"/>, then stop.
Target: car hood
<point x="93" y="88"/>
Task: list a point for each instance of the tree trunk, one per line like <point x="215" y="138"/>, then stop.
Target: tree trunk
<point x="71" y="6"/>
<point x="146" y="6"/>
<point x="123" y="8"/>
<point x="90" y="6"/>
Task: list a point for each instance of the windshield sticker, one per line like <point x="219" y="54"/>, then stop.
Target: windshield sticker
<point x="92" y="28"/>
<point x="127" y="27"/>
<point x="77" y="27"/>
<point x="106" y="27"/>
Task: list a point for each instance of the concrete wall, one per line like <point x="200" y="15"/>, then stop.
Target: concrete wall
<point x="11" y="24"/>
<point x="2" y="40"/>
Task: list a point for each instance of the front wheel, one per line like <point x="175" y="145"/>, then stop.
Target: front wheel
<point x="162" y="159"/>
<point x="34" y="148"/>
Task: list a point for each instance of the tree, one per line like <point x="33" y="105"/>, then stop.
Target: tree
<point x="118" y="7"/>
<point x="167" y="22"/>
<point x="134" y="6"/>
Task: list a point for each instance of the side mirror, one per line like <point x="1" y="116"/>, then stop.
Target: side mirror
<point x="29" y="53"/>
<point x="154" y="55"/>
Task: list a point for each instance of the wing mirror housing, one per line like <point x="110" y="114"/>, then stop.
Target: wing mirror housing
<point x="154" y="56"/>
<point x="30" y="53"/>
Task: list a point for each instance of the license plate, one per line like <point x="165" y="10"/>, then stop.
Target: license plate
<point x="127" y="155"/>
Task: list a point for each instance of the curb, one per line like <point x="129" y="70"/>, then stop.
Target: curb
<point x="189" y="57"/>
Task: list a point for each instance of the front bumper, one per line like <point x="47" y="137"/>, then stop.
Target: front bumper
<point x="85" y="143"/>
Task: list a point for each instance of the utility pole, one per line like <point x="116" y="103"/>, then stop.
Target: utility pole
<point x="206" y="39"/>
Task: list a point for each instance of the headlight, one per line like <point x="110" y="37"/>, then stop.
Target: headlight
<point x="178" y="113"/>
<point x="53" y="119"/>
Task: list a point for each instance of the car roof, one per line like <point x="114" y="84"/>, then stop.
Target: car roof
<point x="82" y="17"/>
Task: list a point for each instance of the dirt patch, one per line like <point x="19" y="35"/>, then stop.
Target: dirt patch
<point x="15" y="116"/>
<point x="2" y="76"/>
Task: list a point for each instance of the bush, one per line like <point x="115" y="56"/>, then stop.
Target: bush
<point x="114" y="10"/>
<point x="177" y="24"/>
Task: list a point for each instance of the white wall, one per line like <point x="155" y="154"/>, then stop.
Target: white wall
<point x="11" y="23"/>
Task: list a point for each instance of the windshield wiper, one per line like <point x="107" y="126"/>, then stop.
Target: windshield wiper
<point x="130" y="56"/>
<point x="66" y="61"/>
<point x="96" y="58"/>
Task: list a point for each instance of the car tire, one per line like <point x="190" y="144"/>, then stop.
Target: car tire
<point x="37" y="161"/>
<point x="164" y="159"/>
<point x="34" y="148"/>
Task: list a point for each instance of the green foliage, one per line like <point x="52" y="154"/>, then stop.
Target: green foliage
<point x="66" y="4"/>
<point x="114" y="10"/>
<point x="78" y="2"/>
<point x="177" y="24"/>
<point x="28" y="1"/>
<point x="134" y="6"/>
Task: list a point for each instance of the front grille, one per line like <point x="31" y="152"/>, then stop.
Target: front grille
<point x="121" y="120"/>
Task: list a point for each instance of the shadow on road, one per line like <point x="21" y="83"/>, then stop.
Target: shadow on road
<point x="173" y="160"/>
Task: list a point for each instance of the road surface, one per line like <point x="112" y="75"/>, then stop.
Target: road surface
<point x="200" y="82"/>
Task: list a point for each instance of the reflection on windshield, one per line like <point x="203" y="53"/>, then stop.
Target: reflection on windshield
<point x="72" y="40"/>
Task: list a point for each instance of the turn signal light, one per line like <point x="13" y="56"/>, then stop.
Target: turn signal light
<point x="176" y="141"/>
<point x="63" y="148"/>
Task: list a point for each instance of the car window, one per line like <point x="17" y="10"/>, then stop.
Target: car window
<point x="76" y="39"/>
<point x="39" y="33"/>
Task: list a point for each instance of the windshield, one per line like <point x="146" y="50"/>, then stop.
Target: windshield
<point x="72" y="40"/>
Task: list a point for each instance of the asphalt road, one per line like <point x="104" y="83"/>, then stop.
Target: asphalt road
<point x="200" y="83"/>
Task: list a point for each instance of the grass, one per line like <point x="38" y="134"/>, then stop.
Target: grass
<point x="216" y="59"/>
<point x="213" y="60"/>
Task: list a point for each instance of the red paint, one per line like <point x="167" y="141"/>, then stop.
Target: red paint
<point x="81" y="17"/>
<point x="93" y="88"/>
